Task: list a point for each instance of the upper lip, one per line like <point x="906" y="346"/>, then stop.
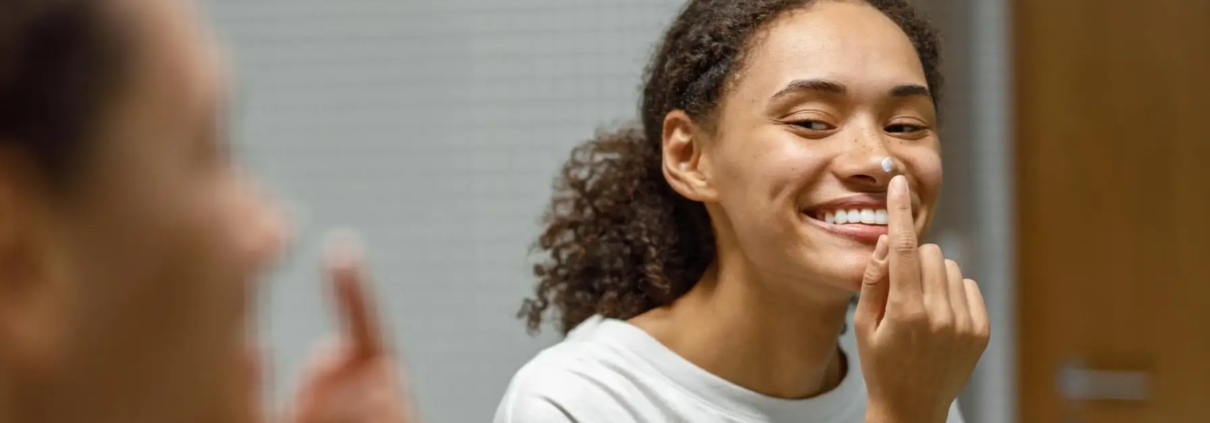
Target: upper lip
<point x="856" y="201"/>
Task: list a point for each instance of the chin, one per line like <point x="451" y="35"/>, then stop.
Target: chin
<point x="840" y="268"/>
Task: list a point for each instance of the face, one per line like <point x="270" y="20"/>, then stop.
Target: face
<point x="137" y="283"/>
<point x="826" y="94"/>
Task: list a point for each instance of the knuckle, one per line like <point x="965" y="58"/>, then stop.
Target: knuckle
<point x="930" y="250"/>
<point x="942" y="323"/>
<point x="905" y="245"/>
<point x="912" y="316"/>
<point x="962" y="323"/>
<point x="862" y="322"/>
<point x="872" y="275"/>
<point x="952" y="266"/>
<point x="982" y="333"/>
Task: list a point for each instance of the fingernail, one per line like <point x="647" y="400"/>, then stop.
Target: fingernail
<point x="880" y="250"/>
<point x="898" y="184"/>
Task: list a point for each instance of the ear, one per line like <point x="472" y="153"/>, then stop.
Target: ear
<point x="27" y="299"/>
<point x="684" y="167"/>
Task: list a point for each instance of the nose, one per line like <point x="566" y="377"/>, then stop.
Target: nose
<point x="275" y="231"/>
<point x="268" y="228"/>
<point x="866" y="163"/>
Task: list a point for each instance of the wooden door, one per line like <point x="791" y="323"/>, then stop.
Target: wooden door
<point x="1113" y="166"/>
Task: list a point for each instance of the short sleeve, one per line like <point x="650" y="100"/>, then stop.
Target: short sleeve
<point x="554" y="389"/>
<point x="955" y="415"/>
<point x="531" y="410"/>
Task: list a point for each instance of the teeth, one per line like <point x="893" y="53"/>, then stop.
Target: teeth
<point x="862" y="216"/>
<point x="867" y="216"/>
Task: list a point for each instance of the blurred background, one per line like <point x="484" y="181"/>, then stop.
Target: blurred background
<point x="1072" y="136"/>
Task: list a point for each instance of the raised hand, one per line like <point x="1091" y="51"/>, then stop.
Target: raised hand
<point x="921" y="327"/>
<point x="354" y="379"/>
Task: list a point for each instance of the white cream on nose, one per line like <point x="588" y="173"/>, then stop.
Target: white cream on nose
<point x="888" y="165"/>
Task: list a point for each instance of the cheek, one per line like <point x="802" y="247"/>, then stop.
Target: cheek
<point x="769" y="168"/>
<point x="184" y="249"/>
<point x="925" y="166"/>
<point x="762" y="188"/>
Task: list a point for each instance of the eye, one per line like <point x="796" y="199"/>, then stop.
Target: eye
<point x="814" y="125"/>
<point x="904" y="128"/>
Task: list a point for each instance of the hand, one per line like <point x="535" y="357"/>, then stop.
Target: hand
<point x="355" y="379"/>
<point x="920" y="325"/>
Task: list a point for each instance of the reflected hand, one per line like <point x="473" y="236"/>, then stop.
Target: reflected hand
<point x="355" y="379"/>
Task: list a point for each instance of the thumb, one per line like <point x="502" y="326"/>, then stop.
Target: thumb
<point x="874" y="287"/>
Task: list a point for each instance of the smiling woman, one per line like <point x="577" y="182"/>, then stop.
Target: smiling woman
<point x="702" y="264"/>
<point x="650" y="244"/>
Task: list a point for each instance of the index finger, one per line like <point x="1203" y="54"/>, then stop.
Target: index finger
<point x="355" y="309"/>
<point x="904" y="261"/>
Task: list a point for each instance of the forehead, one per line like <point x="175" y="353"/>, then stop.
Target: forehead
<point x="177" y="68"/>
<point x="851" y="43"/>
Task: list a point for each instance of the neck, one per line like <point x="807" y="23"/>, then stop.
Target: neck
<point x="749" y="330"/>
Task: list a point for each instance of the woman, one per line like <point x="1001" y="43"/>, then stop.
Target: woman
<point x="702" y="266"/>
<point x="129" y="240"/>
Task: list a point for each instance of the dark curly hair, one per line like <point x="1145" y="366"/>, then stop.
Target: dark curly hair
<point x="61" y="61"/>
<point x="618" y="241"/>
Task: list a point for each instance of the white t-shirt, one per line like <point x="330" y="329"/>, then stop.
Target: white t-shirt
<point x="609" y="371"/>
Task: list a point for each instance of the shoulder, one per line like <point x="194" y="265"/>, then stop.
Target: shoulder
<point x="577" y="380"/>
<point x="544" y="389"/>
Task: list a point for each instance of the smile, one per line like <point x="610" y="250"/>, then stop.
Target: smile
<point x="838" y="223"/>
<point x="861" y="218"/>
<point x="853" y="216"/>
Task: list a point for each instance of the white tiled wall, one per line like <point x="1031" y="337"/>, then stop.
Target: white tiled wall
<point x="436" y="127"/>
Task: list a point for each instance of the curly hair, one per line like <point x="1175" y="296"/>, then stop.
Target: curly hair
<point x="618" y="241"/>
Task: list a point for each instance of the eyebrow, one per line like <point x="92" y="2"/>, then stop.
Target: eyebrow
<point x="830" y="87"/>
<point x="819" y="85"/>
<point x="911" y="90"/>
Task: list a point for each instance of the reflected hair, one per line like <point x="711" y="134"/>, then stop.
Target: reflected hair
<point x="61" y="61"/>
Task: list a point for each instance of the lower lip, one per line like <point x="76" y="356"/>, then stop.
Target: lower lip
<point x="858" y="232"/>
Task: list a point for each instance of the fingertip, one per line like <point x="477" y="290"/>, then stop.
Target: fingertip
<point x="344" y="249"/>
<point x="899" y="202"/>
<point x="898" y="184"/>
